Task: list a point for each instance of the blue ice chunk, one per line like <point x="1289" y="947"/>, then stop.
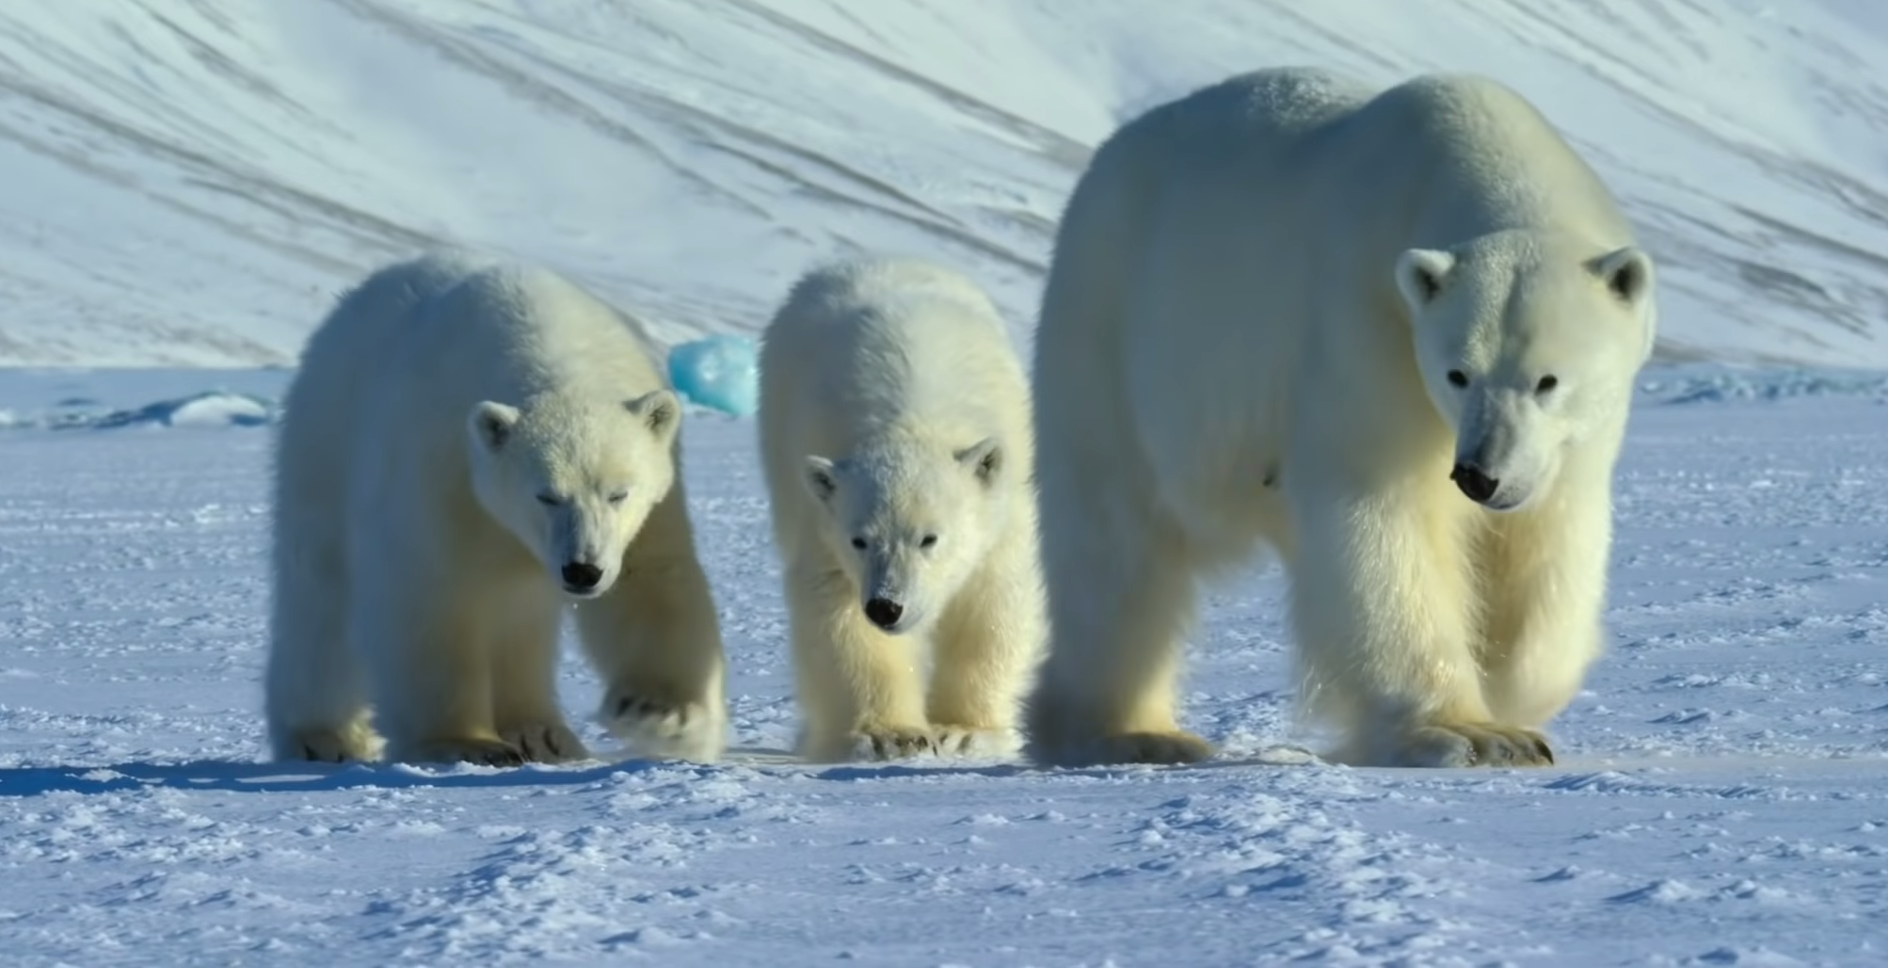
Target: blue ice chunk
<point x="719" y="372"/>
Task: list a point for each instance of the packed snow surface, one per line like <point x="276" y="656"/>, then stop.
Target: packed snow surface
<point x="1721" y="794"/>
<point x="189" y="181"/>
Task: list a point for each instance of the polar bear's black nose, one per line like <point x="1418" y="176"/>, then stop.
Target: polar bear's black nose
<point x="1474" y="482"/>
<point x="884" y="612"/>
<point x="581" y="576"/>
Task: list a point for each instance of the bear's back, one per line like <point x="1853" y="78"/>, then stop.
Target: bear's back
<point x="531" y="329"/>
<point x="1472" y="155"/>
<point x="890" y="340"/>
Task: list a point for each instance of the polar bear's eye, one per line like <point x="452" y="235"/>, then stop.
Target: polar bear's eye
<point x="1457" y="378"/>
<point x="927" y="541"/>
<point x="859" y="543"/>
<point x="548" y="500"/>
<point x="617" y="497"/>
<point x="1547" y="383"/>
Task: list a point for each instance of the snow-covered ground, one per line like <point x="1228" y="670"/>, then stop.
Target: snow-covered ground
<point x="187" y="181"/>
<point x="1721" y="795"/>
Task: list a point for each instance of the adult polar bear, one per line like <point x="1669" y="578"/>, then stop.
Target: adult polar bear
<point x="1392" y="334"/>
<point x="469" y="446"/>
<point x="894" y="432"/>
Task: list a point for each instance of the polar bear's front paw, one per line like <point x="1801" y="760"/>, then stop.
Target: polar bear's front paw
<point x="485" y="752"/>
<point x="331" y="746"/>
<point x="1163" y="747"/>
<point x="1450" y="745"/>
<point x="952" y="740"/>
<point x="662" y="729"/>
<point x="893" y="742"/>
<point x="1166" y="748"/>
<point x="545" y="743"/>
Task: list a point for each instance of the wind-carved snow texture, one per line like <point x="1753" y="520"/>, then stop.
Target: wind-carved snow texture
<point x="190" y="182"/>
<point x="1721" y="795"/>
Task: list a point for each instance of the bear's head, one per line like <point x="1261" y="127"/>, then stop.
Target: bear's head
<point x="1527" y="343"/>
<point x="573" y="479"/>
<point x="908" y="522"/>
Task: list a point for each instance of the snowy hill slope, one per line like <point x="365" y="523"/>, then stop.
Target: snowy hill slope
<point x="185" y="182"/>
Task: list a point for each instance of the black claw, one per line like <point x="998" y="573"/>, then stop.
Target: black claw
<point x="641" y="708"/>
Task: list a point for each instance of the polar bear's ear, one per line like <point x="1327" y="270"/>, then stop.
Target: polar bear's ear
<point x="984" y="458"/>
<point x="1628" y="274"/>
<point x="658" y="410"/>
<point x="490" y="425"/>
<point x="1420" y="274"/>
<point x="821" y="480"/>
<point x="1627" y="271"/>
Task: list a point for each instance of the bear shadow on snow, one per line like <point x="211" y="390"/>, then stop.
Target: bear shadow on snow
<point x="239" y="776"/>
<point x="243" y="776"/>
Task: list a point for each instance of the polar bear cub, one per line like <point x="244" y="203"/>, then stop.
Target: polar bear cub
<point x="894" y="430"/>
<point x="1392" y="334"/>
<point x="469" y="449"/>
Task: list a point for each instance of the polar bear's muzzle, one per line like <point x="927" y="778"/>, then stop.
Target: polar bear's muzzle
<point x="1496" y="460"/>
<point x="577" y="555"/>
<point x="1474" y="482"/>
<point x="581" y="578"/>
<point x="884" y="612"/>
<point x="1485" y="487"/>
<point x="886" y="603"/>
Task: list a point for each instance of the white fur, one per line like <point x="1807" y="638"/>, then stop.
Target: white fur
<point x="893" y="410"/>
<point x="459" y="433"/>
<point x="1258" y="295"/>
